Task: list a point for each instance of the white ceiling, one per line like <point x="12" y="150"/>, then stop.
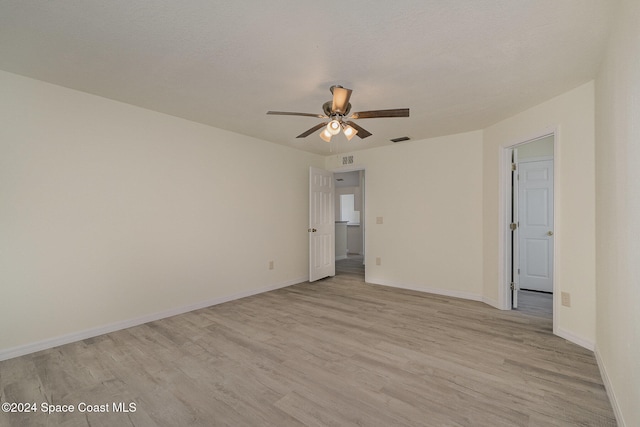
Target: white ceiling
<point x="459" y="65"/>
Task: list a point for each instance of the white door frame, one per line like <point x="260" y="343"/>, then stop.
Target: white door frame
<point x="504" y="211"/>
<point x="515" y="236"/>
<point x="363" y="213"/>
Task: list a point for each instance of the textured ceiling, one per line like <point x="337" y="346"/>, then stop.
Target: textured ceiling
<point x="459" y="65"/>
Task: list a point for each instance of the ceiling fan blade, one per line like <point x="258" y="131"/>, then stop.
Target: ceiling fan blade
<point x="362" y="132"/>
<point x="340" y="99"/>
<point x="310" y="131"/>
<point x="289" y="113"/>
<point x="374" y="114"/>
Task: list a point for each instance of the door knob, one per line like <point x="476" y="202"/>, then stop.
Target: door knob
<point x="549" y="233"/>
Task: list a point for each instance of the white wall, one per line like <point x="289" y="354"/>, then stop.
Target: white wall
<point x="542" y="147"/>
<point x="109" y="212"/>
<point x="618" y="214"/>
<point x="429" y="194"/>
<point x="572" y="114"/>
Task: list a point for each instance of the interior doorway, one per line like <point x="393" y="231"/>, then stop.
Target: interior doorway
<point x="530" y="222"/>
<point x="350" y="221"/>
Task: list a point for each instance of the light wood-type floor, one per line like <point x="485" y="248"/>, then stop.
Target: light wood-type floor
<point x="337" y="352"/>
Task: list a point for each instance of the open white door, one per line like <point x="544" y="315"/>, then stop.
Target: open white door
<point x="322" y="255"/>
<point x="535" y="242"/>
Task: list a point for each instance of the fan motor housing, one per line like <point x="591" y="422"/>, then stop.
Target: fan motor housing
<point x="326" y="107"/>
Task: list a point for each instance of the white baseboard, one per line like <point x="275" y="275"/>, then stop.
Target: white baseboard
<point x="582" y="342"/>
<point x="609" y="387"/>
<point x="493" y="303"/>
<point x="21" y="350"/>
<point x="426" y="289"/>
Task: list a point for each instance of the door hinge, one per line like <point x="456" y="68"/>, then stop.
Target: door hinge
<point x="513" y="166"/>
<point x="518" y="271"/>
<point x="512" y="286"/>
<point x="513" y="226"/>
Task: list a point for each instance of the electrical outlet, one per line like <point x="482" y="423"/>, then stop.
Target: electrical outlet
<point x="270" y="265"/>
<point x="379" y="220"/>
<point x="566" y="299"/>
<point x="378" y="260"/>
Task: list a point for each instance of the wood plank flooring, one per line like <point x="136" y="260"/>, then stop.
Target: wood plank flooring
<point x="337" y="352"/>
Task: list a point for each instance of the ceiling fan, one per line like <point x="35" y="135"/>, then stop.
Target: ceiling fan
<point x="337" y="110"/>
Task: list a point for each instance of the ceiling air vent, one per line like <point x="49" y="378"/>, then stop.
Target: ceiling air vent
<point x="402" y="138"/>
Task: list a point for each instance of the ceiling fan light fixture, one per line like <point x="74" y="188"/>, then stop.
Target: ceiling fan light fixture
<point x="349" y="132"/>
<point x="333" y="127"/>
<point x="336" y="111"/>
<point x="326" y="135"/>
